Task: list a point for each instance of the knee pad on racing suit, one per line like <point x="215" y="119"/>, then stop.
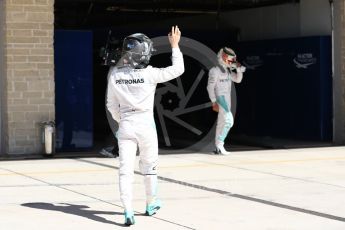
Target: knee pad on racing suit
<point x="147" y="168"/>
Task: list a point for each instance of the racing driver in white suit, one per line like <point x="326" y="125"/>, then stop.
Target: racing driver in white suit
<point x="130" y="100"/>
<point x="219" y="85"/>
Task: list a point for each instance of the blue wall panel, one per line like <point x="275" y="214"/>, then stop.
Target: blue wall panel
<point x="73" y="90"/>
<point x="287" y="89"/>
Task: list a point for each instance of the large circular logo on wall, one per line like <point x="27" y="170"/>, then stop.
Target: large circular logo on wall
<point x="183" y="114"/>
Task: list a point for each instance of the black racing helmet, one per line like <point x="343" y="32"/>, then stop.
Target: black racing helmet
<point x="137" y="50"/>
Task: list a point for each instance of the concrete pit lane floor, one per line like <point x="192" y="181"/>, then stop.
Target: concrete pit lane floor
<point x="286" y="189"/>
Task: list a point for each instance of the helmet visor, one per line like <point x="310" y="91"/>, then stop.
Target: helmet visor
<point x="228" y="59"/>
<point x="130" y="44"/>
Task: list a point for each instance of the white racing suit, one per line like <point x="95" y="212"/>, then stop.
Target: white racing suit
<point x="130" y="100"/>
<point x="219" y="90"/>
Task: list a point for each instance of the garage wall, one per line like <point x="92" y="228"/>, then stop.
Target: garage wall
<point x="339" y="72"/>
<point x="29" y="61"/>
<point x="308" y="18"/>
<point x="2" y="79"/>
<point x="266" y="22"/>
<point x="315" y="17"/>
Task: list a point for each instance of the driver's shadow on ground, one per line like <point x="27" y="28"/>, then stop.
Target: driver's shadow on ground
<point x="78" y="210"/>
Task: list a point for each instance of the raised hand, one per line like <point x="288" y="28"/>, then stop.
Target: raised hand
<point x="174" y="36"/>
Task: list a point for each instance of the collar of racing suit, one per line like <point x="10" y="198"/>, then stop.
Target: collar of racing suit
<point x="224" y="68"/>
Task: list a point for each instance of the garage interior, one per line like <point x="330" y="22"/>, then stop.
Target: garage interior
<point x="276" y="105"/>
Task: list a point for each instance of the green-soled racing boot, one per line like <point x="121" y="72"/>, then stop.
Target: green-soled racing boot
<point x="153" y="207"/>
<point x="129" y="218"/>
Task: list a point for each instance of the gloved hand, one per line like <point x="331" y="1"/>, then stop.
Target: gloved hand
<point x="215" y="107"/>
<point x="241" y="69"/>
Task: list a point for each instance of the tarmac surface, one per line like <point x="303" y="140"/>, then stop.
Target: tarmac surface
<point x="286" y="189"/>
